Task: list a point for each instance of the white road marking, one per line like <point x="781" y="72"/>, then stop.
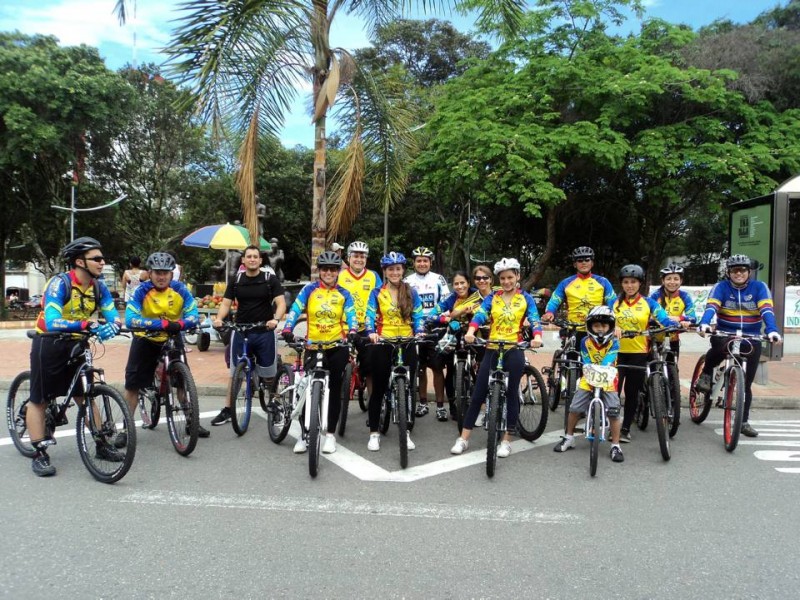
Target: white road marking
<point x="787" y="469"/>
<point x="771" y="433"/>
<point x="782" y="455"/>
<point x="348" y="507"/>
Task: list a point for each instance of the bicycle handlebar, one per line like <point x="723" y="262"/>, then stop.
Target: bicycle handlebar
<point x="567" y="324"/>
<point x="654" y="331"/>
<point x="524" y="345"/>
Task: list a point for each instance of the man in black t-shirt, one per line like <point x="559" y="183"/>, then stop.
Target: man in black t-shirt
<point x="260" y="299"/>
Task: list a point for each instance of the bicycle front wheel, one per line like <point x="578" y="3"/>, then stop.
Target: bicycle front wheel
<point x="554" y="382"/>
<point x="241" y="399"/>
<point x="183" y="409"/>
<point x="360" y="390"/>
<point x="463" y="381"/>
<point x="314" y="433"/>
<point x="347" y="394"/>
<point x="675" y="398"/>
<point x="493" y="417"/>
<point x="568" y="392"/>
<point x="279" y="417"/>
<point x="532" y="407"/>
<point x="386" y="414"/>
<point x="149" y="407"/>
<point x="734" y="408"/>
<point x="401" y="396"/>
<point x="699" y="402"/>
<point x="642" y="417"/>
<point x="659" y="397"/>
<point x="104" y="421"/>
<point x="16" y="408"/>
<point x="593" y="429"/>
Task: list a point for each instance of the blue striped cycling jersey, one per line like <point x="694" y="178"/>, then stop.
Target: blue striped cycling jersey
<point x="384" y="316"/>
<point x="331" y="312"/>
<point x="149" y="308"/>
<point x="635" y="315"/>
<point x="507" y="317"/>
<point x="679" y="304"/>
<point x="592" y="353"/>
<point x="581" y="293"/>
<point x="360" y="287"/>
<point x="69" y="307"/>
<point x="740" y="309"/>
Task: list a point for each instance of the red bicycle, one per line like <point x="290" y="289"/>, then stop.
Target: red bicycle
<point x="353" y="386"/>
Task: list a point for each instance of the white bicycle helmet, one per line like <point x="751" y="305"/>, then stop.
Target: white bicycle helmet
<point x="506" y="264"/>
<point x="357" y="247"/>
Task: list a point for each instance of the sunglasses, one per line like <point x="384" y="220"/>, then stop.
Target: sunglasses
<point x="481" y="278"/>
<point x="329" y="268"/>
<point x="739" y="270"/>
<point x="97" y="259"/>
<point x="583" y="260"/>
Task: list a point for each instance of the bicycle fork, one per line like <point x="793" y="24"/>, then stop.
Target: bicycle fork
<point x="591" y="426"/>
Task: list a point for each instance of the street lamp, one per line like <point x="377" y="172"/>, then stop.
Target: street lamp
<point x="73" y="209"/>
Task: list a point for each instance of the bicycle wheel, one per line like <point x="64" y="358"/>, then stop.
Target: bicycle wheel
<point x="569" y="391"/>
<point x="401" y="392"/>
<point x="268" y="386"/>
<point x="734" y="408"/>
<point x="183" y="409"/>
<point x="102" y="416"/>
<point x="554" y="382"/>
<point x="642" y="410"/>
<point x="494" y="415"/>
<point x="241" y="398"/>
<point x="463" y="381"/>
<point x="314" y="433"/>
<point x="280" y="417"/>
<point x="149" y="407"/>
<point x="532" y="409"/>
<point x="360" y="390"/>
<point x="699" y="403"/>
<point x="659" y="398"/>
<point x="675" y="398"/>
<point x="16" y="408"/>
<point x="386" y="414"/>
<point x="593" y="429"/>
<point x="347" y="394"/>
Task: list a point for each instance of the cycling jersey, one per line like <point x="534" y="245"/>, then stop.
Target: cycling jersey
<point x="592" y="353"/>
<point x="507" y="317"/>
<point x="678" y="305"/>
<point x="150" y="308"/>
<point x="431" y="288"/>
<point x="581" y="293"/>
<point x="634" y="315"/>
<point x="331" y="312"/>
<point x="470" y="302"/>
<point x="360" y="287"/>
<point x="69" y="307"/>
<point x="740" y="309"/>
<point x="385" y="319"/>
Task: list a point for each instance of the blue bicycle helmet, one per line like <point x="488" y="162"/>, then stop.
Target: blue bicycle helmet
<point x="393" y="258"/>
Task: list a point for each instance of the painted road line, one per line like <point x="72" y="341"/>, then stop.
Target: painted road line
<point x="761" y="422"/>
<point x="781" y="455"/>
<point x="769" y="433"/>
<point x="348" y="507"/>
<point x="786" y="444"/>
<point x="787" y="469"/>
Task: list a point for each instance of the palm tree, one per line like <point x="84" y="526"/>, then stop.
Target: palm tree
<point x="244" y="60"/>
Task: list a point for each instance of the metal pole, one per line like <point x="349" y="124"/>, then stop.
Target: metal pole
<point x="72" y="215"/>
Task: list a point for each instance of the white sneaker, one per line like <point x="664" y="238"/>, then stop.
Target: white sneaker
<point x="459" y="447"/>
<point x="505" y="449"/>
<point x="374" y="443"/>
<point x="329" y="445"/>
<point x="481" y="418"/>
<point x="411" y="444"/>
<point x="300" y="446"/>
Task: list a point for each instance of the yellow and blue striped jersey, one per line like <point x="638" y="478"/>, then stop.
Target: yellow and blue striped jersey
<point x="151" y="309"/>
<point x="360" y="287"/>
<point x="331" y="312"/>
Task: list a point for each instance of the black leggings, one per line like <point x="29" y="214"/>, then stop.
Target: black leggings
<point x="716" y="354"/>
<point x="631" y="380"/>
<point x="381" y="363"/>
<point x="335" y="360"/>
<point x="514" y="363"/>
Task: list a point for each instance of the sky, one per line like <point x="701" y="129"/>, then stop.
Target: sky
<point x="92" y="22"/>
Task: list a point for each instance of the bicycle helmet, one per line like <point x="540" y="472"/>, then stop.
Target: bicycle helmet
<point x="329" y="259"/>
<point x="600" y="314"/>
<point x="422" y="251"/>
<point x="738" y="260"/>
<point x="79" y="247"/>
<point x="582" y="252"/>
<point x="160" y="261"/>
<point x="506" y="264"/>
<point x="357" y="247"/>
<point x="393" y="258"/>
<point x="672" y="269"/>
<point x="634" y="271"/>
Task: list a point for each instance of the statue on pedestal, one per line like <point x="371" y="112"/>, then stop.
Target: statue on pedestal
<point x="276" y="258"/>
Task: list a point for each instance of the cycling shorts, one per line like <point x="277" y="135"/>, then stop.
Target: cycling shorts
<point x="582" y="398"/>
<point x="51" y="371"/>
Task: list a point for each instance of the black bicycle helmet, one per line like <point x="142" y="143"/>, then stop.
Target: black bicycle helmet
<point x="600" y="314"/>
<point x="79" y="247"/>
<point x="672" y="269"/>
<point x="160" y="261"/>
<point x="634" y="271"/>
<point x="329" y="259"/>
<point x="739" y="260"/>
<point x="582" y="252"/>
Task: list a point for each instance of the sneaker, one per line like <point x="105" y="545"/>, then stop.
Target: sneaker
<point x="422" y="409"/>
<point x="109" y="453"/>
<point x="703" y="383"/>
<point x="121" y="440"/>
<point x="411" y="445"/>
<point x="566" y="443"/>
<point x="748" y="430"/>
<point x="441" y="414"/>
<point x="625" y="436"/>
<point x="202" y="432"/>
<point x="41" y="465"/>
<point x="459" y="447"/>
<point x="374" y="443"/>
<point x="300" y="446"/>
<point x="223" y="417"/>
<point x="481" y="419"/>
<point x="616" y="454"/>
<point x="329" y="445"/>
<point x="504" y="450"/>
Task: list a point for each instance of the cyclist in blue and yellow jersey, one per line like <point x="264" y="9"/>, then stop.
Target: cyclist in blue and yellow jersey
<point x="678" y="304"/>
<point x="599" y="347"/>
<point x="331" y="315"/>
<point x="740" y="304"/>
<point x="508" y="309"/>
<point x="159" y="305"/>
<point x="393" y="310"/>
<point x="580" y="292"/>
<point x="68" y="302"/>
<point x="633" y="313"/>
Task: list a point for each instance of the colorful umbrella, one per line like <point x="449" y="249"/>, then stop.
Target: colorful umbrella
<point x="222" y="237"/>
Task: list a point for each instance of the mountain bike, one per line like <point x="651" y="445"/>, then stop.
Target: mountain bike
<point x="599" y="377"/>
<point x="102" y="415"/>
<point x="564" y="371"/>
<point x="353" y="386"/>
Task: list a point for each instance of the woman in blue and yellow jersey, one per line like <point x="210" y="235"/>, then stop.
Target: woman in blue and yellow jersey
<point x="508" y="308"/>
<point x="393" y="310"/>
<point x="633" y="313"/>
<point x="331" y="317"/>
<point x="678" y="304"/>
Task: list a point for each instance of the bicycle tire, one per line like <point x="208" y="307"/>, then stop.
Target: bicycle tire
<point x="114" y="418"/>
<point x="16" y="408"/>
<point x="401" y="395"/>
<point x="360" y="389"/>
<point x="659" y="397"/>
<point x="642" y="415"/>
<point x="699" y="403"/>
<point x="532" y="404"/>
<point x="494" y="417"/>
<point x="203" y="341"/>
<point x="183" y="415"/>
<point x="314" y="433"/>
<point x="268" y="388"/>
<point x="554" y="382"/>
<point x="346" y="395"/>
<point x="568" y="393"/>
<point x="594" y="442"/>
<point x="241" y="399"/>
<point x="674" y="397"/>
<point x="734" y="408"/>
<point x="149" y="407"/>
<point x="463" y="392"/>
<point x="385" y="418"/>
<point x="279" y="427"/>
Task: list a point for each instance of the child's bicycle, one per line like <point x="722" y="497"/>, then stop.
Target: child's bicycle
<point x="599" y="377"/>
